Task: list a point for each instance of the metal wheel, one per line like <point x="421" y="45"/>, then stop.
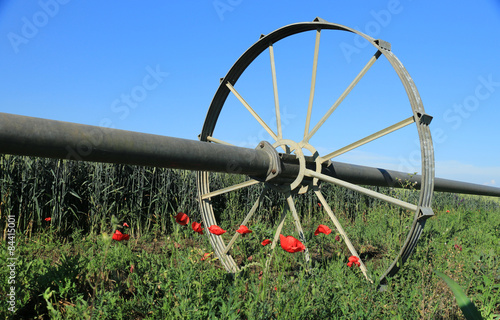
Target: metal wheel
<point x="312" y="162"/>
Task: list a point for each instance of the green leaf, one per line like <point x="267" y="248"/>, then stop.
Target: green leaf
<point x="468" y="308"/>
<point x="74" y="194"/>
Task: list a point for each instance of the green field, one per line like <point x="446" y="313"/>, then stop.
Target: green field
<point x="70" y="268"/>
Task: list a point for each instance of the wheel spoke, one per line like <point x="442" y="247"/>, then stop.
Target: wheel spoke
<point x="344" y="94"/>
<point x="252" y="111"/>
<point x="276" y="237"/>
<point x="339" y="228"/>
<point x="298" y="226"/>
<point x="247" y="218"/>
<point x="275" y="90"/>
<point x="229" y="189"/>
<point x="313" y="83"/>
<point x="280" y="227"/>
<point x="215" y="140"/>
<point x="360" y="189"/>
<point x="370" y="138"/>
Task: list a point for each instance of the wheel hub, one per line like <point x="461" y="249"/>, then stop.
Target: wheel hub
<point x="294" y="155"/>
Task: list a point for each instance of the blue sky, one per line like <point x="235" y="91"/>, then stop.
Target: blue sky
<point x="154" y="67"/>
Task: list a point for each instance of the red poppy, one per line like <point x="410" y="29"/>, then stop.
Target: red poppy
<point x="319" y="204"/>
<point x="353" y="260"/>
<point x="243" y="229"/>
<point x="197" y="227"/>
<point x="205" y="256"/>
<point x="48" y="219"/>
<point x="182" y="219"/>
<point x="337" y="238"/>
<point x="447" y="211"/>
<point x="265" y="242"/>
<point x="216" y="230"/>
<point x="322" y="229"/>
<point x="118" y="236"/>
<point x="126" y="225"/>
<point x="290" y="244"/>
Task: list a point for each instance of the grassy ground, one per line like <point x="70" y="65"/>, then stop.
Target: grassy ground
<point x="90" y="276"/>
<point x="70" y="268"/>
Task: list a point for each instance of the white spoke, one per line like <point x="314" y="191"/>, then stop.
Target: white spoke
<point x="276" y="237"/>
<point x="371" y="193"/>
<point x="313" y="83"/>
<point x="215" y="140"/>
<point x="229" y="189"/>
<point x="280" y="227"/>
<point x="370" y="138"/>
<point x="252" y="111"/>
<point x="298" y="226"/>
<point x="275" y="90"/>
<point x="342" y="96"/>
<point x="342" y="232"/>
<point x="247" y="218"/>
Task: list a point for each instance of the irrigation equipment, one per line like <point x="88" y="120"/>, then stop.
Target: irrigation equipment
<point x="285" y="165"/>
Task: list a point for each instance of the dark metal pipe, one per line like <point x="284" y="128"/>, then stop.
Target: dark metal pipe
<point x="389" y="178"/>
<point x="29" y="136"/>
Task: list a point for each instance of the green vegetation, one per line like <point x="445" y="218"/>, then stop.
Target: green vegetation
<point x="468" y="308"/>
<point x="70" y="268"/>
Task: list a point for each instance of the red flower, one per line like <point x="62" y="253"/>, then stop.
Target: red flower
<point x="290" y="244"/>
<point x="126" y="225"/>
<point x="353" y="260"/>
<point x="319" y="204"/>
<point x="182" y="219"/>
<point x="337" y="238"/>
<point x="131" y="268"/>
<point x="48" y="219"/>
<point x="205" y="256"/>
<point x="459" y="247"/>
<point x="447" y="211"/>
<point x="118" y="236"/>
<point x="197" y="227"/>
<point x="243" y="229"/>
<point x="265" y="242"/>
<point x="322" y="229"/>
<point x="216" y="230"/>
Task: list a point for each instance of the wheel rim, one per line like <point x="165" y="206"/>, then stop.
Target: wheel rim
<point x="422" y="210"/>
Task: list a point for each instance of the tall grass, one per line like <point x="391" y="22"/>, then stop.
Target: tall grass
<point x="83" y="195"/>
<point x="70" y="268"/>
<point x="86" y="195"/>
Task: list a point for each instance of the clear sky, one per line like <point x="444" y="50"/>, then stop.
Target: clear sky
<point x="154" y="66"/>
